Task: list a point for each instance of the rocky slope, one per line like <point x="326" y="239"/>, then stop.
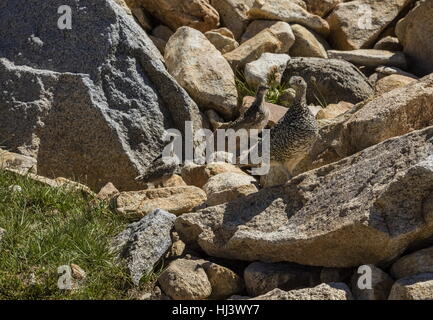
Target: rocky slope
<point x="93" y="103"/>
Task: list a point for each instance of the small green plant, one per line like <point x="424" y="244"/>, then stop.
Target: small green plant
<point x="275" y="89"/>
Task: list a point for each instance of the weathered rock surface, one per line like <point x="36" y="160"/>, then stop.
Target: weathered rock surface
<point x="393" y="114"/>
<point x="17" y="161"/>
<point x="276" y="39"/>
<point x="224" y="281"/>
<point x="135" y="9"/>
<point x="418" y="287"/>
<point x="233" y="14"/>
<point x="334" y="110"/>
<point x="225" y="32"/>
<point x="198" y="175"/>
<point x="321" y="7"/>
<point x="177" y="200"/>
<point x="388" y="43"/>
<point x="420" y="261"/>
<point x="330" y="291"/>
<point x="173" y="181"/>
<point x="367" y="208"/>
<point x="185" y="280"/>
<point x="336" y="80"/>
<point x="109" y="127"/>
<point x="255" y="27"/>
<point x="2" y="233"/>
<point x="371" y="57"/>
<point x="197" y="14"/>
<point x="227" y="180"/>
<point x="392" y="82"/>
<point x="268" y="65"/>
<point x="415" y="32"/>
<point x="308" y="43"/>
<point x="358" y="24"/>
<point x="228" y="186"/>
<point x="230" y="194"/>
<point x="143" y="243"/>
<point x="381" y="284"/>
<point x="202" y="70"/>
<point x="59" y="182"/>
<point x="107" y="192"/>
<point x="287" y="11"/>
<point x="177" y="248"/>
<point x="387" y="71"/>
<point x="222" y="42"/>
<point x="261" y="277"/>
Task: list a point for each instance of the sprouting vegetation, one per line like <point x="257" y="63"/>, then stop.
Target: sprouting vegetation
<point x="51" y="227"/>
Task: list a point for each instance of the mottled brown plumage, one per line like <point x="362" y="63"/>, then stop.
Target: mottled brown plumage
<point x="292" y="137"/>
<point x="160" y="170"/>
<point x="256" y="117"/>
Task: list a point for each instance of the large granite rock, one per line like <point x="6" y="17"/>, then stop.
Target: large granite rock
<point x="202" y="70"/>
<point x="335" y="80"/>
<point x="365" y="209"/>
<point x="358" y="24"/>
<point x="198" y="14"/>
<point x="393" y="114"/>
<point x="91" y="102"/>
<point x="144" y="243"/>
<point x="415" y="33"/>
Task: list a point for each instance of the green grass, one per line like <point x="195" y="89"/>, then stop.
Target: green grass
<point x="275" y="92"/>
<point x="273" y="96"/>
<point x="51" y="227"/>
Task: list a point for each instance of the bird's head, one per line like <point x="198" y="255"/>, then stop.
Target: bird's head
<point x="262" y="89"/>
<point x="261" y="92"/>
<point x="298" y="83"/>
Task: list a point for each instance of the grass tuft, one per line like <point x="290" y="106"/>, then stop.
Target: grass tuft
<point x="273" y="96"/>
<point x="51" y="227"/>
